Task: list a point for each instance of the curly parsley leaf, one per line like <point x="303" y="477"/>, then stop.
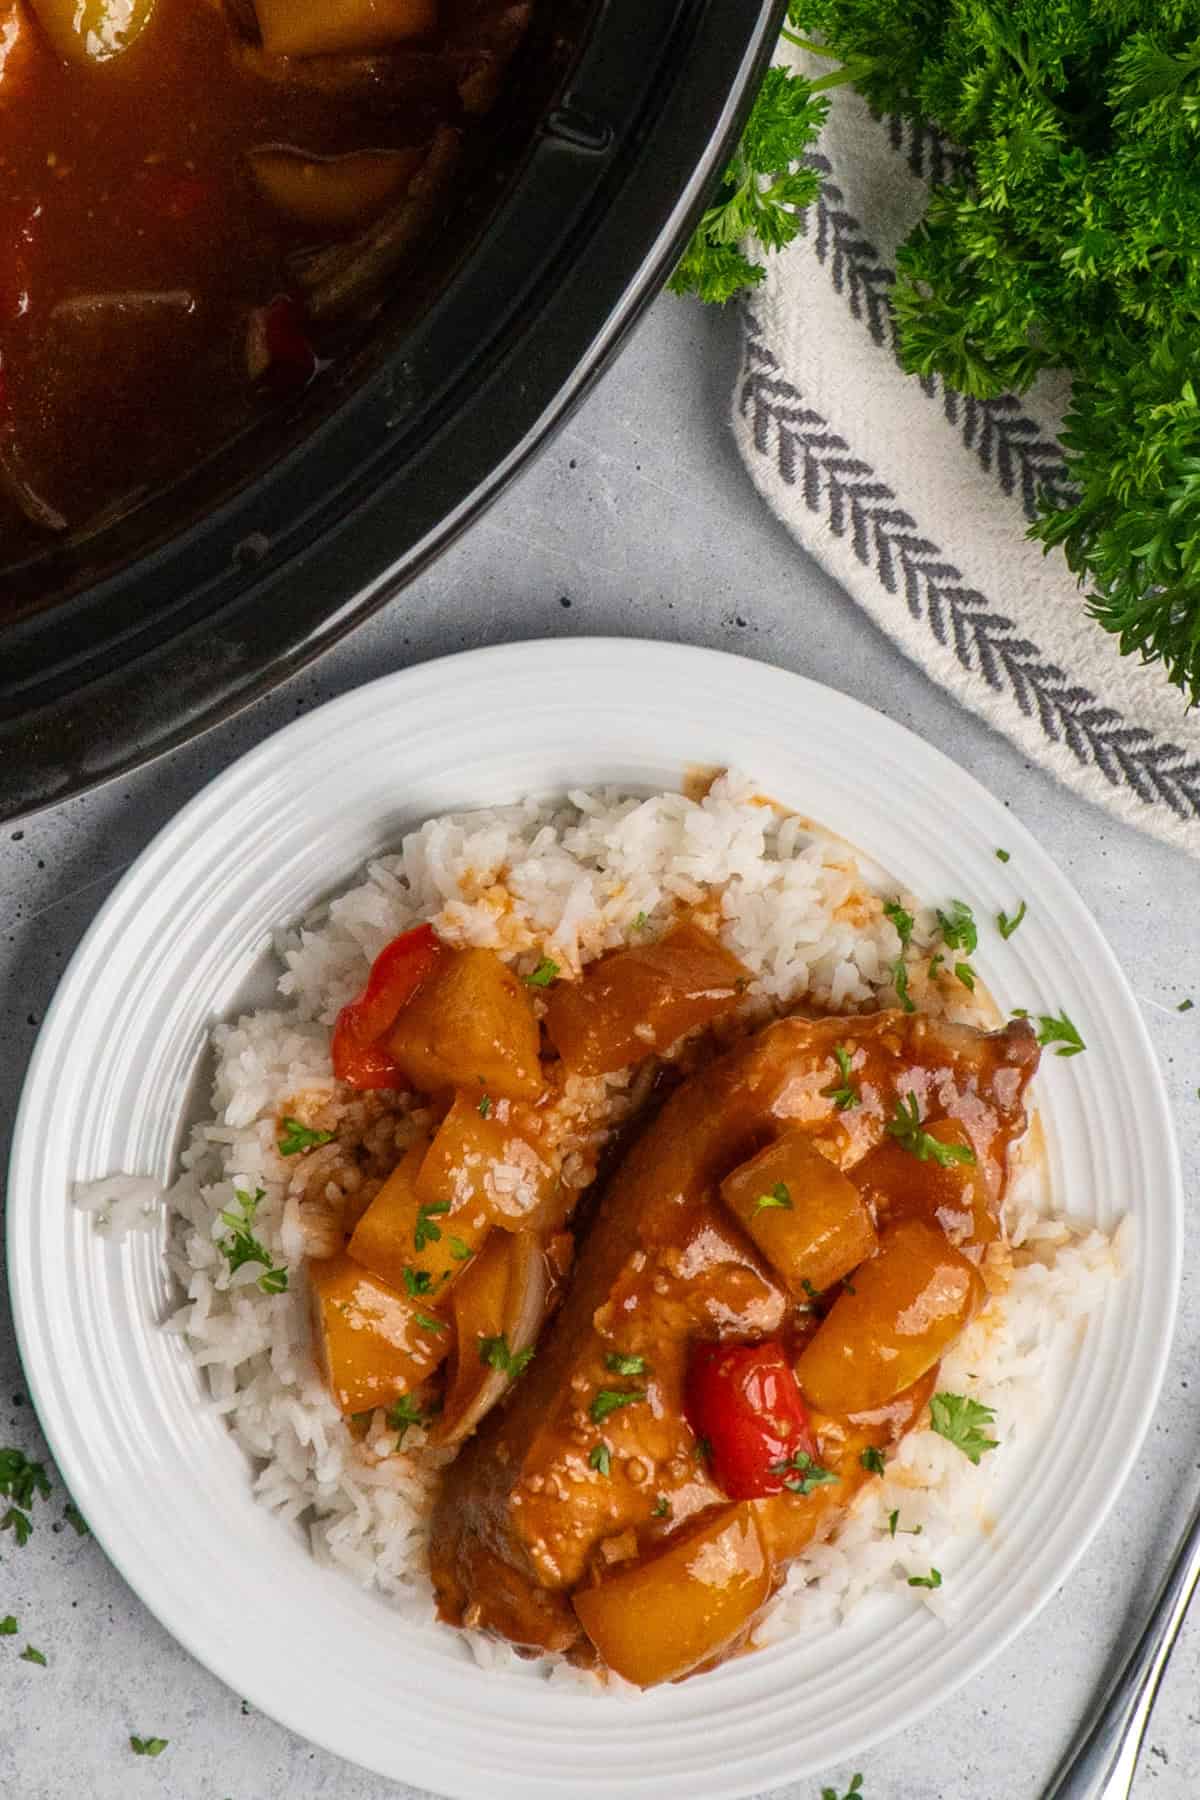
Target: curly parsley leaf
<point x="1006" y="925"/>
<point x="21" y="1480"/>
<point x="241" y="1246"/>
<point x="932" y="1580"/>
<point x="906" y="1127"/>
<point x="853" y="1792"/>
<point x="610" y="1400"/>
<point x="19" y="1523"/>
<point x="763" y="194"/>
<point x="963" y="1423"/>
<point x="801" y="1475"/>
<point x="425" y="1231"/>
<point x="148" y="1746"/>
<point x="778" y="1199"/>
<point x="1059" y="1030"/>
<point x="872" y="1461"/>
<point x="30" y="1655"/>
<point x="545" y="973"/>
<point x="901" y="919"/>
<point x="402" y="1414"/>
<point x="75" y="1519"/>
<point x="844" y="1094"/>
<point x="494" y="1351"/>
<point x="296" y="1137"/>
<point x="958" y="928"/>
<point x="621" y="1362"/>
<point x="601" y="1459"/>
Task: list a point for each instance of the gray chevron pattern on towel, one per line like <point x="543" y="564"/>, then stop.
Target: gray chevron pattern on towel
<point x="918" y="498"/>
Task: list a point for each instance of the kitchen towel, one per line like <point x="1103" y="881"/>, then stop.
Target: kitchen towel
<point x="918" y="499"/>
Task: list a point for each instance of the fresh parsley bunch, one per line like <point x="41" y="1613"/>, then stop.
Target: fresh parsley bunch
<point x="1067" y="236"/>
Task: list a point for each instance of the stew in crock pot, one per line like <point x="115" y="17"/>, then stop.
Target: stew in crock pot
<point x="194" y="194"/>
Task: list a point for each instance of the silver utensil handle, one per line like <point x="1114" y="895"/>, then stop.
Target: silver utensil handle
<point x="1103" y="1755"/>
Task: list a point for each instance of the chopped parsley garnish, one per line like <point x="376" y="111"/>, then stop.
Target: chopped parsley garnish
<point x="848" y="1286"/>
<point x="912" y="1531"/>
<point x="963" y="1422"/>
<point x="935" y="963"/>
<point x="297" y="1137"/>
<point x="813" y="1293"/>
<point x="932" y="1580"/>
<point x="872" y="1461"/>
<point x="544" y="974"/>
<point x="485" y="1105"/>
<point x="241" y="1246"/>
<point x="853" y="1792"/>
<point x="19" y="1524"/>
<point x="29" y="1654"/>
<point x="404" y="1413"/>
<point x="1185" y="1006"/>
<point x="958" y="928"/>
<point x="902" y="920"/>
<point x="1002" y="856"/>
<point x="148" y="1746"/>
<point x="425" y="1231"/>
<point x="622" y="1364"/>
<point x="75" y="1519"/>
<point x="641" y="922"/>
<point x="610" y="1400"/>
<point x="428" y="1321"/>
<point x="459" y="1251"/>
<point x="966" y="975"/>
<point x="8" y="1626"/>
<point x="417" y="1282"/>
<point x="1006" y="926"/>
<point x="1059" y="1031"/>
<point x="801" y="1474"/>
<point x="21" y="1480"/>
<point x="662" y="1507"/>
<point x="494" y="1351"/>
<point x="703" y="1449"/>
<point x="845" y="1095"/>
<point x="778" y="1197"/>
<point x="905" y="1126"/>
<point x="601" y="1459"/>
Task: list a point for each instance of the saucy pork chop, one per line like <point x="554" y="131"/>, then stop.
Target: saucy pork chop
<point x="873" y="1147"/>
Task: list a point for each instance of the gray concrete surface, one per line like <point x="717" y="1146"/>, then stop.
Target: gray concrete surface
<point x="638" y="519"/>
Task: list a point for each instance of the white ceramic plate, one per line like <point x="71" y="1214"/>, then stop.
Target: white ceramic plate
<point x="166" y="1491"/>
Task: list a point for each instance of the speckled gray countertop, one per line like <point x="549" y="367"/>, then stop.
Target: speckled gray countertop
<point x="637" y="520"/>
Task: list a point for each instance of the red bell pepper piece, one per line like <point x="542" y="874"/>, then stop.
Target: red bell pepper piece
<point x="359" y="1056"/>
<point x="743" y="1401"/>
<point x="279" y="351"/>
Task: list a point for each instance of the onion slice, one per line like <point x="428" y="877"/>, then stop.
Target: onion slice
<point x="504" y="1294"/>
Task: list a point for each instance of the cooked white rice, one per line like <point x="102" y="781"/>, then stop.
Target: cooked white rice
<point x="571" y="880"/>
